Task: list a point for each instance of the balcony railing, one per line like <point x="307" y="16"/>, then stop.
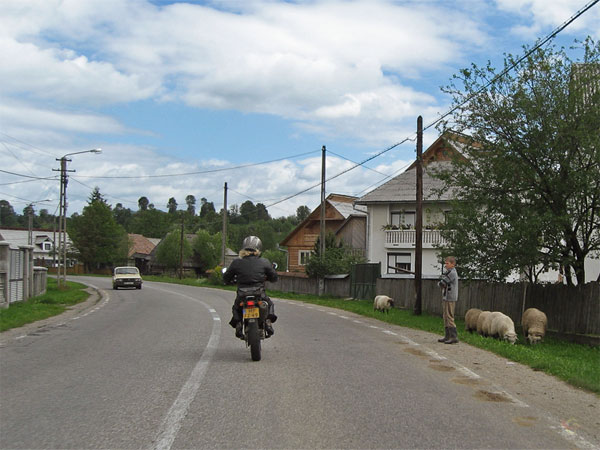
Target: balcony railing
<point x="407" y="238"/>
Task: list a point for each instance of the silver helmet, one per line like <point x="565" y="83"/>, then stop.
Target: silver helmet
<point x="252" y="243"/>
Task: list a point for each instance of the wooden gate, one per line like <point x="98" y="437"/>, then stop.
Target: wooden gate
<point x="364" y="279"/>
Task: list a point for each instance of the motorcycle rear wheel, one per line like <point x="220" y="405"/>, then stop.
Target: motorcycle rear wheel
<point x="254" y="340"/>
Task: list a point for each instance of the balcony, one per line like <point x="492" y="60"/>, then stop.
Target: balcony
<point x="406" y="238"/>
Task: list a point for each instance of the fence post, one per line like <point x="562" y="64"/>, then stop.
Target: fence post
<point x="4" y="268"/>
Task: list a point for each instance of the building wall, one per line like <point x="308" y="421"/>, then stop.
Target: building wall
<point x="377" y="251"/>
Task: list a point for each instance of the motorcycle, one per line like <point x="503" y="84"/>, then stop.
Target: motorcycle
<point x="254" y="315"/>
<point x="255" y="311"/>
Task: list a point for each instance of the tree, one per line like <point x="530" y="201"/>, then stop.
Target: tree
<point x="337" y="259"/>
<point x="248" y="212"/>
<point x="172" y="205"/>
<point x="206" y="250"/>
<point x="302" y="212"/>
<point x="8" y="218"/>
<point x="190" y="200"/>
<point x="97" y="236"/>
<point x="528" y="194"/>
<point x="168" y="253"/>
<point x="261" y="212"/>
<point x="143" y="203"/>
<point x="122" y="215"/>
<point x="151" y="223"/>
<point x="207" y="209"/>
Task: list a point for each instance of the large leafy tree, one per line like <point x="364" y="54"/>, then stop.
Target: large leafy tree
<point x="170" y="250"/>
<point x="100" y="240"/>
<point x="8" y="218"/>
<point x="151" y="223"/>
<point x="206" y="250"/>
<point x="338" y="258"/>
<point x="528" y="195"/>
<point x="190" y="201"/>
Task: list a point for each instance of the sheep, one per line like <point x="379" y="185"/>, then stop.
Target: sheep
<point x="481" y="320"/>
<point x="504" y="328"/>
<point x="487" y="323"/>
<point x="471" y="319"/>
<point x="382" y="303"/>
<point x="534" y="324"/>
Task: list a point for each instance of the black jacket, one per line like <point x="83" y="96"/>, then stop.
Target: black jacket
<point x="250" y="271"/>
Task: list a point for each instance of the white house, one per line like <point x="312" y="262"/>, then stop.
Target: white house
<point x="41" y="240"/>
<point x="391" y="210"/>
<point x="391" y="214"/>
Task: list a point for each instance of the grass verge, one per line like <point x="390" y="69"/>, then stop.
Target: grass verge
<point x="53" y="302"/>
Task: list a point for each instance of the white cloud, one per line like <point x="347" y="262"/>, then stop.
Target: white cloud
<point x="541" y="14"/>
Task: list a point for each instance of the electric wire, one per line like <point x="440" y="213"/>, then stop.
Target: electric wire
<point x="541" y="43"/>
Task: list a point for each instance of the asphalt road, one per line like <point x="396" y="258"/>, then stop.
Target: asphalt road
<point x="161" y="368"/>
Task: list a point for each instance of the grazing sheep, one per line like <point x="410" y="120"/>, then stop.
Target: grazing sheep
<point x="504" y="328"/>
<point x="487" y="324"/>
<point x="534" y="324"/>
<point x="382" y="303"/>
<point x="471" y="319"/>
<point x="483" y="315"/>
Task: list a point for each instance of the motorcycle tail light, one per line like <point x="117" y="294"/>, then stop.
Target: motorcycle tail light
<point x="250" y="303"/>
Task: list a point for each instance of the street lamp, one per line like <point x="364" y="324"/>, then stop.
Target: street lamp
<point x="62" y="221"/>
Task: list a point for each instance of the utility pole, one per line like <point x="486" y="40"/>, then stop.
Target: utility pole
<point x="224" y="232"/>
<point x="322" y="222"/>
<point x="419" y="220"/>
<point x="181" y="250"/>
<point x="62" y="221"/>
<point x="61" y="274"/>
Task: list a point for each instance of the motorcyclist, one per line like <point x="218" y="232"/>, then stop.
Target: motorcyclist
<point x="250" y="271"/>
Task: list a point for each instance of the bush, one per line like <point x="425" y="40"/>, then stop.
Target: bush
<point x="215" y="276"/>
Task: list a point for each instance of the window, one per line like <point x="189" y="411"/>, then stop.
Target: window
<point x="398" y="261"/>
<point x="46" y="246"/>
<point x="303" y="257"/>
<point x="403" y="219"/>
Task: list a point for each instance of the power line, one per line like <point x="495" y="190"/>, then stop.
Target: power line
<point x="516" y="63"/>
<point x="224" y="169"/>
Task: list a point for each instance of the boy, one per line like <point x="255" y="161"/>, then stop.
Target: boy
<point x="449" y="285"/>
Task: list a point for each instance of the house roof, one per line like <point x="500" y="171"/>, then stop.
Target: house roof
<point x="403" y="188"/>
<point x="18" y="237"/>
<point x="140" y="245"/>
<point x="438" y="156"/>
<point x="343" y="204"/>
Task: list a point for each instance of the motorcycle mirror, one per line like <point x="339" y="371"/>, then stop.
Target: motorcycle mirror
<point x="275" y="265"/>
<point x="223" y="270"/>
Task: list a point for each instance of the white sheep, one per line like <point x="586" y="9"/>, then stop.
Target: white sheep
<point x="471" y="319"/>
<point x="483" y="315"/>
<point x="534" y="324"/>
<point x="503" y="328"/>
<point x="382" y="303"/>
<point x="487" y="323"/>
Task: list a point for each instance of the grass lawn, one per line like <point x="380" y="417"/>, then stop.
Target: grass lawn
<point x="53" y="302"/>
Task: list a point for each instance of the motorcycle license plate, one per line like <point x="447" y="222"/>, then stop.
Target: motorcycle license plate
<point x="251" y="313"/>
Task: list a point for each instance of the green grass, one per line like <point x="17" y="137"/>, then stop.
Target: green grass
<point x="53" y="302"/>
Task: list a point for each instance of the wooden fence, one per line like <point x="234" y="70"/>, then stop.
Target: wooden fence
<point x="570" y="309"/>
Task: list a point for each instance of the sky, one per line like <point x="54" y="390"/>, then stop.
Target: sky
<point x="185" y="96"/>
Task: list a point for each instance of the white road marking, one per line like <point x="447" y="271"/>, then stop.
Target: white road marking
<point x="172" y="422"/>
